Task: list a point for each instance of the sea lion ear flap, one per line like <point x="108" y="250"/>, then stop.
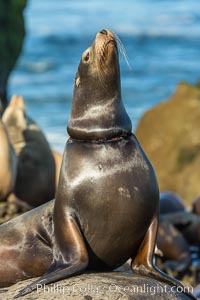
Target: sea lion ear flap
<point x="17" y="102"/>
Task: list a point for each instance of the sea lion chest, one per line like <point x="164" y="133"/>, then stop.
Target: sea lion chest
<point x="112" y="190"/>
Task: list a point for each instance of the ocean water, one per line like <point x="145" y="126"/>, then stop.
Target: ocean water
<point x="161" y="37"/>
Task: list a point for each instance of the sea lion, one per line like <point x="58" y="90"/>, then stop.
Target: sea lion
<point x="196" y="206"/>
<point x="188" y="224"/>
<point x="178" y="221"/>
<point x="107" y="203"/>
<point x="176" y="252"/>
<point x="175" y="249"/>
<point x="25" y="248"/>
<point x="58" y="161"/>
<point x="35" y="182"/>
<point x="8" y="164"/>
<point x="170" y="202"/>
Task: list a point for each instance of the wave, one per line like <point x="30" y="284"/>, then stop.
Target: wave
<point x="37" y="67"/>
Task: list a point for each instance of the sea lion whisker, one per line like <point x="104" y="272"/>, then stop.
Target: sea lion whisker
<point x="100" y="75"/>
<point x="101" y="64"/>
<point x="122" y="50"/>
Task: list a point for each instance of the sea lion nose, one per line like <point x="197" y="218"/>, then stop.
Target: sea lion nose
<point x="104" y="31"/>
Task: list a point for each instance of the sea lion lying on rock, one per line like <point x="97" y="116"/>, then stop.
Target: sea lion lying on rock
<point x="196" y="206"/>
<point x="178" y="234"/>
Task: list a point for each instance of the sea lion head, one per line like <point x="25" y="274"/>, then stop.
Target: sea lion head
<point x="14" y="117"/>
<point x="97" y="111"/>
<point x="8" y="163"/>
<point x="21" y="128"/>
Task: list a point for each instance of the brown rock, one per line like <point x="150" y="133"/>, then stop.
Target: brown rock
<point x="3" y="209"/>
<point x="170" y="136"/>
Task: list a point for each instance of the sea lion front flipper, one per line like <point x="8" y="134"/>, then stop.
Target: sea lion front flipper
<point x="70" y="258"/>
<point x="143" y="262"/>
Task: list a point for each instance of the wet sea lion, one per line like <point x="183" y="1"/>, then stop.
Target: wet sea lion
<point x="188" y="224"/>
<point x="196" y="206"/>
<point x="176" y="252"/>
<point x="25" y="248"/>
<point x="107" y="203"/>
<point x="175" y="249"/>
<point x="170" y="202"/>
<point x="58" y="161"/>
<point x="35" y="182"/>
<point x="8" y="164"/>
<point x="180" y="228"/>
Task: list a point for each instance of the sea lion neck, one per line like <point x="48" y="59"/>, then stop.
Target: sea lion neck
<point x="98" y="112"/>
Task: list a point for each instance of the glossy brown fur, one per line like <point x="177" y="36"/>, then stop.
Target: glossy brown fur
<point x="170" y="202"/>
<point x="175" y="249"/>
<point x="107" y="202"/>
<point x="95" y="184"/>
<point x="58" y="161"/>
<point x="98" y="112"/>
<point x="25" y="245"/>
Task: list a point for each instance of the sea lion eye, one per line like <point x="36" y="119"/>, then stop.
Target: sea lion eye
<point x="86" y="58"/>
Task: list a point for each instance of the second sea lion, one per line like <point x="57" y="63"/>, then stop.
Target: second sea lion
<point x="8" y="164"/>
<point x="35" y="182"/>
<point x="170" y="202"/>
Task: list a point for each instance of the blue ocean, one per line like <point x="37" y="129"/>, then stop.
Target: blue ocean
<point x="162" y="41"/>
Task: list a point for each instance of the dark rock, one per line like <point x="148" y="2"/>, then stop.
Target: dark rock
<point x="3" y="209"/>
<point x="12" y="34"/>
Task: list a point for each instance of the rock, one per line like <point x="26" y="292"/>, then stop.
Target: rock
<point x="100" y="286"/>
<point x="170" y="135"/>
<point x="3" y="209"/>
<point x="12" y="34"/>
<point x="12" y="208"/>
